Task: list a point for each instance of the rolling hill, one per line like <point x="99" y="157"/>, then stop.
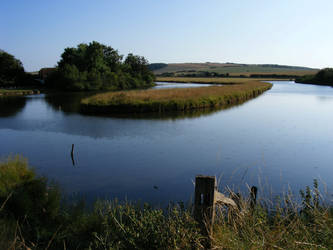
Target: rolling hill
<point x="230" y="69"/>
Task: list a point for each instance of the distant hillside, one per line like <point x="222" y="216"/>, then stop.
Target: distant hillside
<point x="229" y="69"/>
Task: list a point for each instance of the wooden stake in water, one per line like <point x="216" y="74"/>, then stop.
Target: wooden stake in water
<point x="72" y="155"/>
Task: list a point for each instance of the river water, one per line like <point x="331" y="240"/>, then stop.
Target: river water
<point x="283" y="137"/>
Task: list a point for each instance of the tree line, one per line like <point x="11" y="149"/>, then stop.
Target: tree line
<point x="95" y="66"/>
<point x="92" y="66"/>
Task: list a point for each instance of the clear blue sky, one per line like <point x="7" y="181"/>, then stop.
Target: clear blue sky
<point x="291" y="32"/>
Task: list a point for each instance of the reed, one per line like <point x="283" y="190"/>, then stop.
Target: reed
<point x="166" y="100"/>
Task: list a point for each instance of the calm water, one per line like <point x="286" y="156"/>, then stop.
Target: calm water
<point x="282" y="137"/>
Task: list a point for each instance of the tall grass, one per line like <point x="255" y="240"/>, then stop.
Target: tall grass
<point x="287" y="224"/>
<point x="166" y="100"/>
<point x="284" y="224"/>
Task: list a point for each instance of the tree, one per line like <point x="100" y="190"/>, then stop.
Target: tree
<point x="323" y="77"/>
<point x="95" y="66"/>
<point x="11" y="70"/>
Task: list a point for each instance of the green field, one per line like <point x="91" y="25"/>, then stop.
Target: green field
<point x="234" y="69"/>
<point x="211" y="80"/>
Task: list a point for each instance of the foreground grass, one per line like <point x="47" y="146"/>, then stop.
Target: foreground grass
<point x="31" y="217"/>
<point x="16" y="92"/>
<point x="164" y="100"/>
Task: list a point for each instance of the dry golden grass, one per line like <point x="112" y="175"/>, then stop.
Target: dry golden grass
<point x="159" y="100"/>
<point x="177" y="93"/>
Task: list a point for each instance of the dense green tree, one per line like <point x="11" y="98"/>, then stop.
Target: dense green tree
<point x="11" y="70"/>
<point x="95" y="66"/>
<point x="323" y="77"/>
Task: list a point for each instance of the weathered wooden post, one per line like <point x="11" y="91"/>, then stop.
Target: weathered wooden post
<point x="204" y="203"/>
<point x="206" y="196"/>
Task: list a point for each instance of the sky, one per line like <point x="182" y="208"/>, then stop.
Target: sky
<point x="287" y="32"/>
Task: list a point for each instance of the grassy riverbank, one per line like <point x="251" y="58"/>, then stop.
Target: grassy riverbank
<point x="32" y="217"/>
<point x="166" y="100"/>
<point x="18" y="92"/>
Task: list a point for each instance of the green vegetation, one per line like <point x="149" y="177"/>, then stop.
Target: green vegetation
<point x="11" y="70"/>
<point x="12" y="73"/>
<point x="32" y="217"/>
<point x="166" y="100"/>
<point x="323" y="77"/>
<point x="95" y="66"/>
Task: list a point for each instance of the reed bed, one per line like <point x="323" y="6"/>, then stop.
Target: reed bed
<point x="164" y="100"/>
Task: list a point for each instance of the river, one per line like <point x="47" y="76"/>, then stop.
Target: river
<point x="283" y="137"/>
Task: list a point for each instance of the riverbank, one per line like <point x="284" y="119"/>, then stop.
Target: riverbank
<point x="18" y="92"/>
<point x="32" y="216"/>
<point x="165" y="100"/>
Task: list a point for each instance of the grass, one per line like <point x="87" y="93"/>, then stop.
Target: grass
<point x="12" y="92"/>
<point x="272" y="72"/>
<point x="286" y="224"/>
<point x="167" y="100"/>
<point x="212" y="80"/>
<point x="235" y="69"/>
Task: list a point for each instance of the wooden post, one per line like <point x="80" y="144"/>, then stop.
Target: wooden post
<point x="72" y="155"/>
<point x="204" y="203"/>
<point x="206" y="196"/>
<point x="253" y="196"/>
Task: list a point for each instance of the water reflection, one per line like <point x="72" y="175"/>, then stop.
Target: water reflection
<point x="66" y="102"/>
<point x="185" y="114"/>
<point x="10" y="106"/>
